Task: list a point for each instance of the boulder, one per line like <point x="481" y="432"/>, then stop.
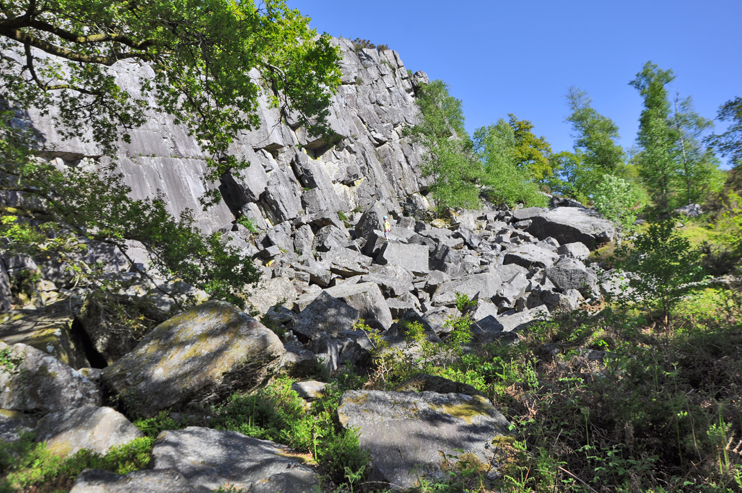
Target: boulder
<point x="517" y="321"/>
<point x="433" y="383"/>
<point x="401" y="305"/>
<point x="51" y="329"/>
<point x="390" y="286"/>
<point x="569" y="273"/>
<point x="116" y="323"/>
<point x="303" y="239"/>
<point x="39" y="383"/>
<point x="411" y="257"/>
<point x="529" y="255"/>
<point x="365" y="297"/>
<point x="199" y="357"/>
<point x="93" y="428"/>
<point x="572" y="224"/>
<point x="371" y="220"/>
<point x="298" y="362"/>
<point x="146" y="481"/>
<point x="309" y="390"/>
<point x="407" y="432"/>
<point x="329" y="237"/>
<point x="325" y="314"/>
<point x="477" y="286"/>
<point x="574" y="250"/>
<point x="691" y="210"/>
<point x="271" y="292"/>
<point x="213" y="458"/>
<point x="5" y="294"/>
<point x="13" y="424"/>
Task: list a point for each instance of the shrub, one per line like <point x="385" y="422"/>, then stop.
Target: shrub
<point x="616" y="199"/>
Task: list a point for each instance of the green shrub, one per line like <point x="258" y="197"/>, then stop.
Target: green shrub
<point x="249" y="223"/>
<point x="617" y="200"/>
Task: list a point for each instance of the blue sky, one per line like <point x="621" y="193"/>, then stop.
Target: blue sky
<point x="521" y="57"/>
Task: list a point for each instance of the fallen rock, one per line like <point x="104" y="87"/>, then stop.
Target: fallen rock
<point x="365" y="297"/>
<point x="214" y="458"/>
<point x="575" y="250"/>
<point x="411" y="257"/>
<point x="13" y="424"/>
<point x="325" y="314"/>
<point x="93" y="428"/>
<point x="39" y="383"/>
<point x="433" y="383"/>
<point x="572" y="224"/>
<point x="147" y="481"/>
<point x="406" y="432"/>
<point x="199" y="357"/>
<point x="530" y="255"/>
<point x="569" y="273"/>
<point x="477" y="286"/>
<point x="271" y="292"/>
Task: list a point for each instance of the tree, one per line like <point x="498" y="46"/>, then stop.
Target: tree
<point x="699" y="173"/>
<point x="657" y="165"/>
<point x="730" y="142"/>
<point x="503" y="180"/>
<point x="449" y="157"/>
<point x="210" y="60"/>
<point x="56" y="54"/>
<point x="616" y="199"/>
<point x="596" y="139"/>
<point x="531" y="152"/>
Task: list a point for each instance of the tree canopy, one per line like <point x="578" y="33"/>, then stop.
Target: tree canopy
<point x="202" y="52"/>
<point x="208" y="60"/>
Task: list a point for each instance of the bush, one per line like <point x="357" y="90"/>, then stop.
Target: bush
<point x="616" y="199"/>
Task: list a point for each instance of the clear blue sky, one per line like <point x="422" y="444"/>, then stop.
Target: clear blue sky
<point x="521" y="57"/>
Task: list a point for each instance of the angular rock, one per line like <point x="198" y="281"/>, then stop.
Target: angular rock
<point x="391" y="287"/>
<point x="516" y="321"/>
<point x="571" y="274"/>
<point x="199" y="357"/>
<point x="565" y="302"/>
<point x="13" y="424"/>
<point x="529" y="256"/>
<point x="146" y="481"/>
<point x="50" y="329"/>
<point x="365" y="297"/>
<point x="411" y="257"/>
<point x="325" y="314"/>
<point x="39" y="383"/>
<point x="309" y="390"/>
<point x="271" y="292"/>
<point x="433" y="383"/>
<point x="477" y="286"/>
<point x="213" y="458"/>
<point x="570" y="224"/>
<point x="5" y="294"/>
<point x="303" y="239"/>
<point x="403" y="304"/>
<point x="93" y="428"/>
<point x="104" y="318"/>
<point x="298" y="362"/>
<point x="406" y="432"/>
<point x="371" y="220"/>
<point x="575" y="250"/>
<point x="329" y="237"/>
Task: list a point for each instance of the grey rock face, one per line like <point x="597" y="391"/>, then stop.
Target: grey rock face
<point x="212" y="458"/>
<point x="4" y="289"/>
<point x="93" y="428"/>
<point x="411" y="257"/>
<point x="371" y="220"/>
<point x="329" y="237"/>
<point x="271" y="292"/>
<point x="199" y="356"/>
<point x="147" y="481"/>
<point x="570" y="224"/>
<point x="365" y="297"/>
<point x="405" y="432"/>
<point x="691" y="210"/>
<point x="13" y="425"/>
<point x="42" y="384"/>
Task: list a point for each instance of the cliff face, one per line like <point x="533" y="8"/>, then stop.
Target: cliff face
<point x="291" y="173"/>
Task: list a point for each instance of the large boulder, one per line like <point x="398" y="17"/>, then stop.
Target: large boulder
<point x="477" y="286"/>
<point x="569" y="273"/>
<point x="371" y="220"/>
<point x="147" y="481"/>
<point x="214" y="458"/>
<point x="365" y="297"/>
<point x="38" y="383"/>
<point x="51" y="329"/>
<point x="411" y="257"/>
<point x="271" y="292"/>
<point x="93" y="428"/>
<point x="529" y="255"/>
<point x="325" y="314"/>
<point x="200" y="356"/>
<point x="116" y="323"/>
<point x="572" y="224"/>
<point x="406" y="432"/>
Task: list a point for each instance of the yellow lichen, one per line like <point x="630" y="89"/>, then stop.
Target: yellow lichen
<point x="478" y="406"/>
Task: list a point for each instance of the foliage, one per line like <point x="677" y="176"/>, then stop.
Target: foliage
<point x="728" y="228"/>
<point x="596" y="145"/>
<point x="617" y="200"/>
<point x="58" y="54"/>
<point x="657" y="138"/>
<point x="663" y="268"/>
<point x="503" y="180"/>
<point x="248" y="223"/>
<point x="699" y="173"/>
<point x="8" y="364"/>
<point x="64" y="209"/>
<point x="730" y="142"/>
<point x="530" y="152"/>
<point x="29" y="466"/>
<point x="448" y="158"/>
